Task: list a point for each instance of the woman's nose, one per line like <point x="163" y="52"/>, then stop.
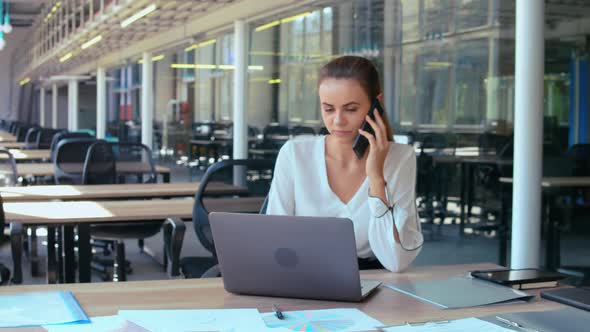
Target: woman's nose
<point x="339" y="118"/>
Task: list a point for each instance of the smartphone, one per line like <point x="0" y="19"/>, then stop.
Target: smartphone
<point x="361" y="143"/>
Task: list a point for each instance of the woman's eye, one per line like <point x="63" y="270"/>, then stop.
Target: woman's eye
<point x="328" y="109"/>
<point x="351" y="109"/>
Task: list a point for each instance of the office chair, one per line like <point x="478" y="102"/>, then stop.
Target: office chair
<point x="68" y="163"/>
<point x="31" y="138"/>
<point x="8" y="175"/>
<point x="21" y="132"/>
<point x="63" y="134"/>
<point x="45" y="137"/>
<point x="102" y="167"/>
<point x="4" y="271"/>
<point x="205" y="267"/>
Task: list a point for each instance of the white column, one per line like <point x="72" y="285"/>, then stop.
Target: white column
<point x="147" y="98"/>
<point x="73" y="105"/>
<point x="42" y="107"/>
<point x="240" y="93"/>
<point x="528" y="134"/>
<point x="54" y="96"/>
<point x="389" y="58"/>
<point x="101" y="103"/>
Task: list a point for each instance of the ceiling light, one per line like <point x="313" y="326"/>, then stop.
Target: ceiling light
<point x="25" y="81"/>
<point x="275" y="81"/>
<point x="201" y="44"/>
<point x="154" y="59"/>
<point x="138" y="15"/>
<point x="284" y="20"/>
<point x="91" y="42"/>
<point x="66" y="57"/>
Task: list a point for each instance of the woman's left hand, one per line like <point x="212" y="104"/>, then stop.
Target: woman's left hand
<point x="378" y="147"/>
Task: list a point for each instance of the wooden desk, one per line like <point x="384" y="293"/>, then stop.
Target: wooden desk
<point x="7" y="137"/>
<point x="29" y="155"/>
<point x="82" y="214"/>
<point x="114" y="191"/>
<point x="552" y="187"/>
<point x="12" y="145"/>
<point x="46" y="169"/>
<point x="388" y="306"/>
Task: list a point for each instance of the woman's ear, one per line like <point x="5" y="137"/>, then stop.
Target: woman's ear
<point x="380" y="98"/>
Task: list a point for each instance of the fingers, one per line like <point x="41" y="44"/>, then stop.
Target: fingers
<point x="369" y="137"/>
<point x="379" y="133"/>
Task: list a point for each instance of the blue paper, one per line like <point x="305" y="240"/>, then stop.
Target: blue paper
<point x="40" y="308"/>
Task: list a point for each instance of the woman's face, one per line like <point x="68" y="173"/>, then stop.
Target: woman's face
<point x="344" y="106"/>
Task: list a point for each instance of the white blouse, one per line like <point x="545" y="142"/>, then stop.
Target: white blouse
<point x="300" y="188"/>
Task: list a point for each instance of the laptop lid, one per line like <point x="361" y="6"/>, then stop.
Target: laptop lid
<point x="286" y="256"/>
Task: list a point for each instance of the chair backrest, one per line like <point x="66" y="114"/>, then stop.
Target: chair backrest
<point x="256" y="174"/>
<point x="4" y="271"/>
<point x="70" y="155"/>
<point x="100" y="165"/>
<point x="134" y="162"/>
<point x="64" y="135"/>
<point x="45" y="137"/>
<point x="21" y="133"/>
<point x="31" y="138"/>
<point x="8" y="175"/>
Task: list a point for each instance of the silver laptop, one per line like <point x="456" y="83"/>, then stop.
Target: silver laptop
<point x="301" y="257"/>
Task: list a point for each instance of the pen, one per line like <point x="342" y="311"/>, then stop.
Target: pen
<point x="278" y="312"/>
<point x="515" y="324"/>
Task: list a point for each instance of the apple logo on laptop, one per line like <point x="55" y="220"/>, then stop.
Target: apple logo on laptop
<point x="286" y="257"/>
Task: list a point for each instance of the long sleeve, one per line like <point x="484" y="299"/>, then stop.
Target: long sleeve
<point x="281" y="198"/>
<point x="401" y="197"/>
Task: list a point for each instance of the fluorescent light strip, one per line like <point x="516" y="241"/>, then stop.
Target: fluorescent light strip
<point x="91" y="42"/>
<point x="125" y="23"/>
<point x="154" y="59"/>
<point x="25" y="81"/>
<point x="281" y="21"/>
<point x="66" y="57"/>
<point x="267" y="26"/>
<point x="201" y="66"/>
<point x="294" y="17"/>
<point x="275" y="81"/>
<point x="201" y="44"/>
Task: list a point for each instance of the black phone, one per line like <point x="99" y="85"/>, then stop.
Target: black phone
<point x="361" y="143"/>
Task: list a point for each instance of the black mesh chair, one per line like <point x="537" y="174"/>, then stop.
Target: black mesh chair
<point x="254" y="175"/>
<point x="21" y="132"/>
<point x="108" y="163"/>
<point x="31" y="138"/>
<point x="45" y="137"/>
<point x="70" y="155"/>
<point x="8" y="175"/>
<point x="4" y="271"/>
<point x="64" y="135"/>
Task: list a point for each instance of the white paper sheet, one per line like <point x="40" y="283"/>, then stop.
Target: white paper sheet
<point x="222" y="320"/>
<point x="341" y="320"/>
<point x="459" y="325"/>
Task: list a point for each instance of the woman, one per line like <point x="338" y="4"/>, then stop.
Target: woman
<point x="321" y="176"/>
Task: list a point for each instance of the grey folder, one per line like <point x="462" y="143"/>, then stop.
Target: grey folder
<point x="562" y="320"/>
<point x="459" y="292"/>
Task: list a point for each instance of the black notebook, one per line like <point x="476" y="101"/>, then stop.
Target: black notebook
<point x="575" y="297"/>
<point x="521" y="278"/>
